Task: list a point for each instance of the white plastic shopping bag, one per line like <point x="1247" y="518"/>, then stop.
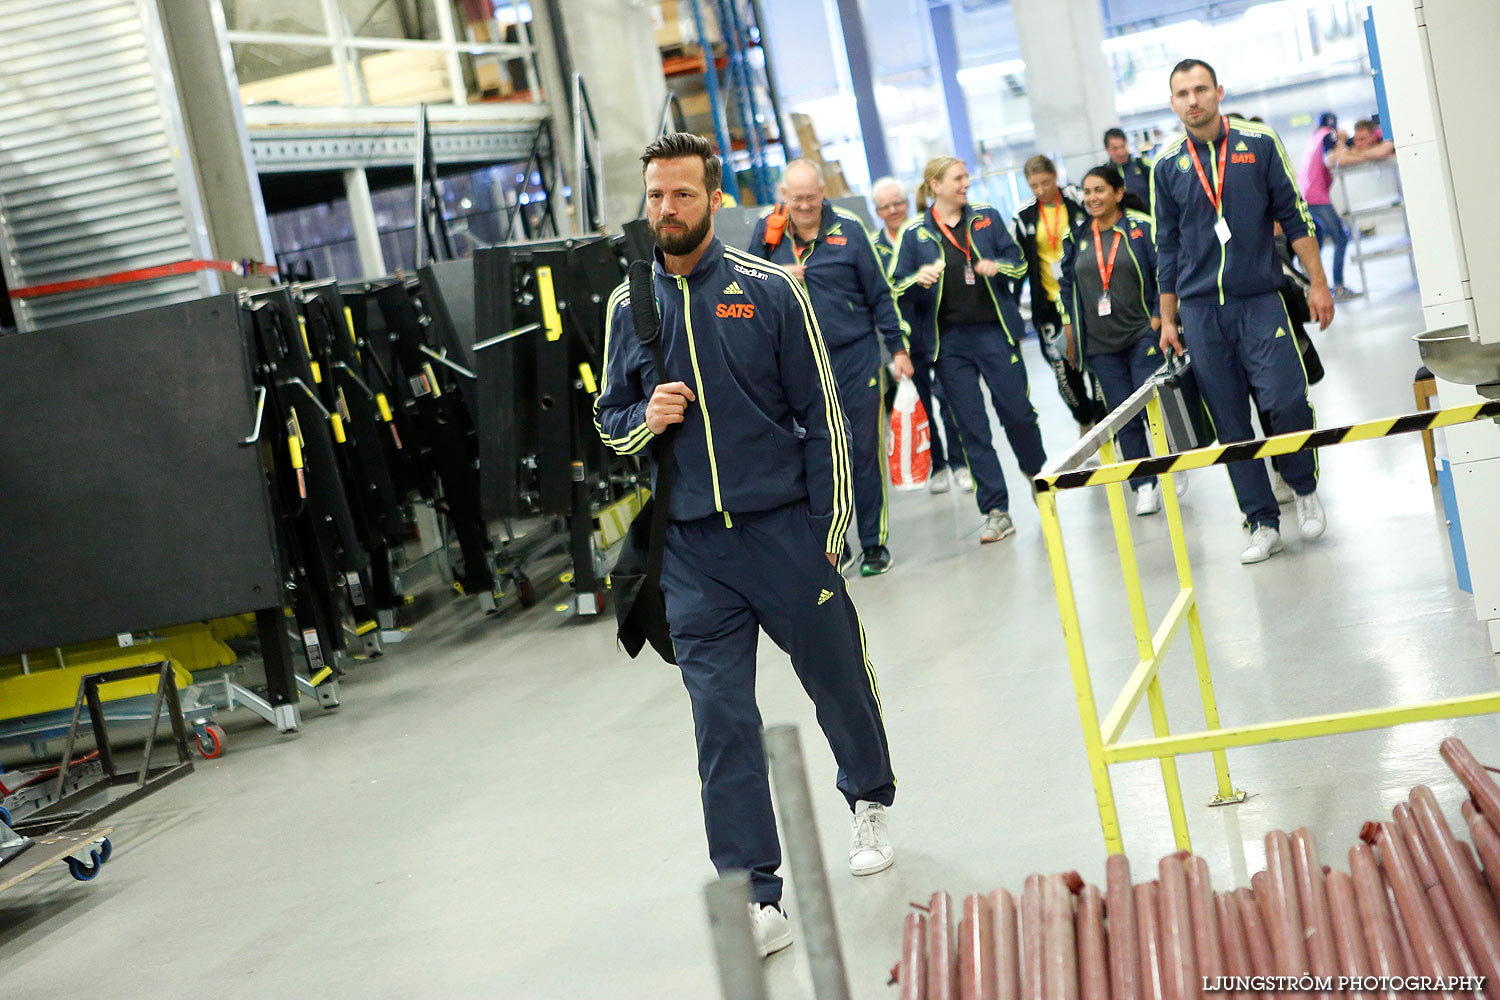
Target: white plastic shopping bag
<point x="908" y="448"/>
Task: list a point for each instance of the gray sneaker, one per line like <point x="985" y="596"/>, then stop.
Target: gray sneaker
<point x="997" y="525"/>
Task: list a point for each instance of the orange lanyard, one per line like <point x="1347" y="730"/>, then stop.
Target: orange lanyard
<point x="1216" y="198"/>
<point x="1041" y="217"/>
<point x="949" y="233"/>
<point x="1105" y="273"/>
<point x="807" y="248"/>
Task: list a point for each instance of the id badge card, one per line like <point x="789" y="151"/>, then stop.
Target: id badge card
<point x="1221" y="229"/>
<point x="968" y="274"/>
<point x="1104" y="306"/>
<point x="1056" y="267"/>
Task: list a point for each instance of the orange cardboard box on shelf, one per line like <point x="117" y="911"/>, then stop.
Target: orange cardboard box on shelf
<point x="673" y="20"/>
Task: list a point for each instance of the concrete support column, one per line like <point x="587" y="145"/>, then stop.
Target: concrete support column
<point x="946" y="43"/>
<point x="366" y="232"/>
<point x="219" y="143"/>
<point x="862" y="76"/>
<point x="1068" y="80"/>
<point x="615" y="41"/>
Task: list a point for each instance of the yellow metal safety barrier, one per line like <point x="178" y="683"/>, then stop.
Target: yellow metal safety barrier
<point x="1102" y="740"/>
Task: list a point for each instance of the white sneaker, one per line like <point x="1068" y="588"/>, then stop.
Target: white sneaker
<point x="773" y="931"/>
<point x="1148" y="499"/>
<point x="940" y="481"/>
<point x="1310" y="516"/>
<point x="870" y="849"/>
<point x="963" y="479"/>
<point x="997" y="525"/>
<point x="1281" y="490"/>
<point x="1265" y="542"/>
<point x="1180" y="482"/>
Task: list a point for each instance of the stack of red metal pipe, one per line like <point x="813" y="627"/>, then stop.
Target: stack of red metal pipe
<point x="1417" y="913"/>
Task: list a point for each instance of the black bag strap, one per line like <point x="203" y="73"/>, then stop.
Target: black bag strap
<point x="648" y="331"/>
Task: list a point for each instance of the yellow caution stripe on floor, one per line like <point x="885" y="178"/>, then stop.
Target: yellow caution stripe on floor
<point x="1281" y="444"/>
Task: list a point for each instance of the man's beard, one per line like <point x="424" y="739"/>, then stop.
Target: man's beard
<point x="680" y="244"/>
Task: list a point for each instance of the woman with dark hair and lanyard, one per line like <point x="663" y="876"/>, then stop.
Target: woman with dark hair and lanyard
<point x="1038" y="229"/>
<point x="950" y="273"/>
<point x="1110" y="314"/>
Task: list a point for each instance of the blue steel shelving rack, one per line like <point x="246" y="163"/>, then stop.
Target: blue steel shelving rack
<point x="741" y="30"/>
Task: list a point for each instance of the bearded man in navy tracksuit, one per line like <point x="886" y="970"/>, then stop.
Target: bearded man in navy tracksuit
<point x="760" y="501"/>
<point x="831" y="252"/>
<point x="1218" y="190"/>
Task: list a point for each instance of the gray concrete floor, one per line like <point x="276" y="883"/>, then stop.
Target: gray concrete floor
<point x="507" y="807"/>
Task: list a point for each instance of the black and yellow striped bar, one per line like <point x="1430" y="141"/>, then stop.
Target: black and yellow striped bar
<point x="1281" y="444"/>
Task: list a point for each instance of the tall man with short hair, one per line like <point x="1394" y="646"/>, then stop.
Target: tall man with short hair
<point x="1218" y="190"/>
<point x="894" y="210"/>
<point x="1134" y="169"/>
<point x="760" y="501"/>
<point x="831" y="252"/>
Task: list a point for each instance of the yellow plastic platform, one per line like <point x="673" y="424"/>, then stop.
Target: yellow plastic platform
<point x="52" y="683"/>
<point x="56" y="689"/>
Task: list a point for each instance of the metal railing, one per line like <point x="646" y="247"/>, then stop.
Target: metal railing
<point x="1103" y="740"/>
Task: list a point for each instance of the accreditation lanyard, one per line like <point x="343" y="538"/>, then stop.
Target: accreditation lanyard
<point x="1106" y="271"/>
<point x="968" y="258"/>
<point x="800" y="254"/>
<point x="1055" y="236"/>
<point x="1215" y="196"/>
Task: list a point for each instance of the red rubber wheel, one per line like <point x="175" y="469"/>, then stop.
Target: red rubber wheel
<point x="525" y="592"/>
<point x="211" y="741"/>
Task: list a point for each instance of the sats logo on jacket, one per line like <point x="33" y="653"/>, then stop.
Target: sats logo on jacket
<point x="981" y="224"/>
<point x="1241" y="157"/>
<point x="837" y="241"/>
<point x="735" y="310"/>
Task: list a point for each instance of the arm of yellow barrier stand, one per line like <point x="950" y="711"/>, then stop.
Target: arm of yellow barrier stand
<point x="586" y="372"/>
<point x="551" y="320"/>
<point x="320" y="676"/>
<point x="385" y="407"/>
<point x="337" y="423"/>
<point x="294" y="445"/>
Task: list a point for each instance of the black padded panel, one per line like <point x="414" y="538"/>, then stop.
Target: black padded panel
<point x="126" y="500"/>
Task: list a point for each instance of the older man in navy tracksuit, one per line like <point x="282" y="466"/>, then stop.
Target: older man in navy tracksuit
<point x="830" y="250"/>
<point x="760" y="502"/>
<point x="1217" y="191"/>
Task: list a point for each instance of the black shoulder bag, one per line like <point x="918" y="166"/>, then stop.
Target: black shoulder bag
<point x="640" y="608"/>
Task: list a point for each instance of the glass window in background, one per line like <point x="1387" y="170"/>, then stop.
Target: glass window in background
<point x="483" y="206"/>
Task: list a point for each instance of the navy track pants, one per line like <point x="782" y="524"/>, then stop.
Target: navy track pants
<point x="858" y="375"/>
<point x="966" y="355"/>
<point x="722" y="586"/>
<point x="930" y="392"/>
<point x="1119" y="374"/>
<point x="1248" y="343"/>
